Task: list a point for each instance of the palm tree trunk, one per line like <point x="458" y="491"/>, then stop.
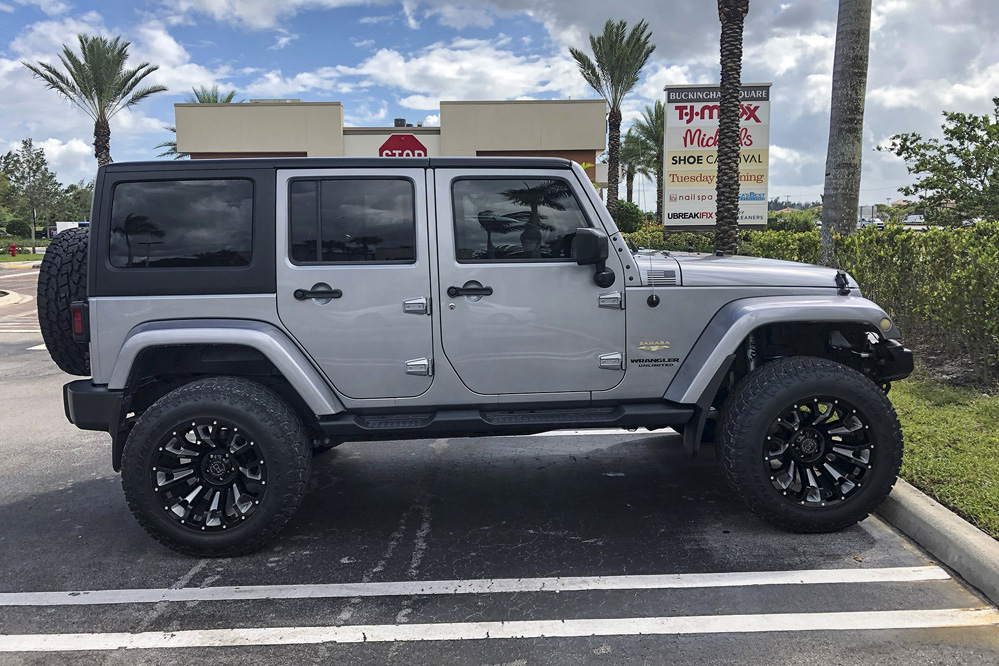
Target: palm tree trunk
<point x="660" y="194"/>
<point x="102" y="142"/>
<point x="613" y="158"/>
<point x="844" y="157"/>
<point x="733" y="15"/>
<point x="630" y="185"/>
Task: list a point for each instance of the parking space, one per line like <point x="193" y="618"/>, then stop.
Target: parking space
<point x="567" y="548"/>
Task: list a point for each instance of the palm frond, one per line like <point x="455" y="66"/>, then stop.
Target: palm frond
<point x="618" y="58"/>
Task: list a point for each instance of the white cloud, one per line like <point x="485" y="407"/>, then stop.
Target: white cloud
<point x="461" y="16"/>
<point x="44" y="39"/>
<point x="72" y="156"/>
<point x="284" y="38"/>
<point x="153" y="43"/>
<point x="373" y="20"/>
<point x="468" y="69"/>
<point x="433" y="120"/>
<point x="254" y="14"/>
<point x="50" y="7"/>
<point x="6" y="8"/>
<point x="362" y="115"/>
<point x="409" y="11"/>
<point x="275" y="84"/>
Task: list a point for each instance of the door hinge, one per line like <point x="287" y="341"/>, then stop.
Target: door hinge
<point x="613" y="300"/>
<point x="613" y="361"/>
<point x="417" y="306"/>
<point x="422" y="367"/>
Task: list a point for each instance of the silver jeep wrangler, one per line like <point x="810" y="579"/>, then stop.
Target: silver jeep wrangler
<point x="235" y="317"/>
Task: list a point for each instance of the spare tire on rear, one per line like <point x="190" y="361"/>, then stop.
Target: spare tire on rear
<point x="61" y="281"/>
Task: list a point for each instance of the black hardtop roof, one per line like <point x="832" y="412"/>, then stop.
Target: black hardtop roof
<point x="346" y="163"/>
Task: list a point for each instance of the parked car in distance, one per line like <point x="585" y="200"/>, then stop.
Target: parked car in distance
<point x="871" y="222"/>
<point x="914" y="219"/>
<point x="45" y="233"/>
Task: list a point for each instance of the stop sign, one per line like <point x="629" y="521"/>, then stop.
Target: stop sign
<point x="402" y="145"/>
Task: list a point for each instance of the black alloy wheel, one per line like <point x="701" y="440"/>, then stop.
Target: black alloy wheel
<point x="216" y="467"/>
<point x="209" y="475"/>
<point x="819" y="451"/>
<point x="810" y="444"/>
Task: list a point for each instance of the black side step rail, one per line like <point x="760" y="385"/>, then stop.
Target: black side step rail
<point x="479" y="423"/>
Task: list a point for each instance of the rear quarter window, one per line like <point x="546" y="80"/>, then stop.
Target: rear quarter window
<point x="181" y="223"/>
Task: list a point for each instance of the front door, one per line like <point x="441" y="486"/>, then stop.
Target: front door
<point x="518" y="314"/>
<point x="353" y="277"/>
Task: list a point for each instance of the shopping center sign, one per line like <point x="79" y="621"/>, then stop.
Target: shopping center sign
<point x="692" y="152"/>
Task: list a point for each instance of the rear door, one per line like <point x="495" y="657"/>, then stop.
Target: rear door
<point x="353" y="276"/>
<point x="543" y="326"/>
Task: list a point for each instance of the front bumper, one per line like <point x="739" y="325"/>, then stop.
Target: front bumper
<point x="894" y="361"/>
<point x="92" y="407"/>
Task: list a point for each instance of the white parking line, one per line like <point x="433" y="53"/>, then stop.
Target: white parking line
<point x="20" y="330"/>
<point x="458" y="631"/>
<point x="18" y="274"/>
<point x="40" y="347"/>
<point x="477" y="586"/>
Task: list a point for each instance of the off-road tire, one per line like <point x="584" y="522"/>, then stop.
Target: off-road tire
<point x="62" y="279"/>
<point x="278" y="432"/>
<point x="751" y="409"/>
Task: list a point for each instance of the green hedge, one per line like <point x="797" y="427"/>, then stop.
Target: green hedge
<point x="941" y="287"/>
<point x="23" y="244"/>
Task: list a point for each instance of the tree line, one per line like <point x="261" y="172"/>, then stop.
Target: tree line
<point x="31" y="197"/>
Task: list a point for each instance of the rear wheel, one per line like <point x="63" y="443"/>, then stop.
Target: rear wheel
<point x="62" y="279"/>
<point x="811" y="445"/>
<point x="216" y="468"/>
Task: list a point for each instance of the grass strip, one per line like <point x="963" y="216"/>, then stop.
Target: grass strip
<point x="952" y="447"/>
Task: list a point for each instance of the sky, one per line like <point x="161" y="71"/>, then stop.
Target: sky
<point x="385" y="59"/>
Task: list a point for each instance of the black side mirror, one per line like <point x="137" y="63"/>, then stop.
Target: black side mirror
<point x="591" y="247"/>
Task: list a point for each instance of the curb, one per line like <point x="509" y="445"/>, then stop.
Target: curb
<point x="9" y="297"/>
<point x="949" y="538"/>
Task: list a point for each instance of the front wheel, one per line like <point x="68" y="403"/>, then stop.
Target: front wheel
<point x="216" y="468"/>
<point x="809" y="444"/>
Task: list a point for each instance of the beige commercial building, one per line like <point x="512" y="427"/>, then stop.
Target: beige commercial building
<point x="573" y="129"/>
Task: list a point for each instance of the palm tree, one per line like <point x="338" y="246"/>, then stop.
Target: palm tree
<point x="137" y="225"/>
<point x="732" y="14"/>
<point x="631" y="163"/>
<point x="844" y="157"/>
<point x="650" y="132"/>
<point x="618" y="59"/>
<point x="206" y="95"/>
<point x="547" y="193"/>
<point x="201" y="95"/>
<point x="98" y="82"/>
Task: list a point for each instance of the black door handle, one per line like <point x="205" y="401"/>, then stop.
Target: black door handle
<point x="469" y="291"/>
<point x="302" y="294"/>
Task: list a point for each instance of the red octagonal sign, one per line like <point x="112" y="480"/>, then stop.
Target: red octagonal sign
<point x="402" y="145"/>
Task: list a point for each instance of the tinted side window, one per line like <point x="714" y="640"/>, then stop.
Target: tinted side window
<point x="182" y="223"/>
<point x="353" y="220"/>
<point x="529" y="220"/>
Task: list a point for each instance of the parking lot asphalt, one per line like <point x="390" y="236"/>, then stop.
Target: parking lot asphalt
<point x="570" y="548"/>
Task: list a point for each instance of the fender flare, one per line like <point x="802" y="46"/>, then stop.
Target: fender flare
<point x="736" y="320"/>
<point x="266" y="338"/>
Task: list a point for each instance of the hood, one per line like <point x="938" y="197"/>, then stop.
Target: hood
<point x="706" y="270"/>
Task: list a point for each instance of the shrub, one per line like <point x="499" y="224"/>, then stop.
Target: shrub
<point x="628" y="217"/>
<point x="940" y="287"/>
<point x="19" y="228"/>
<point x="799" y="221"/>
